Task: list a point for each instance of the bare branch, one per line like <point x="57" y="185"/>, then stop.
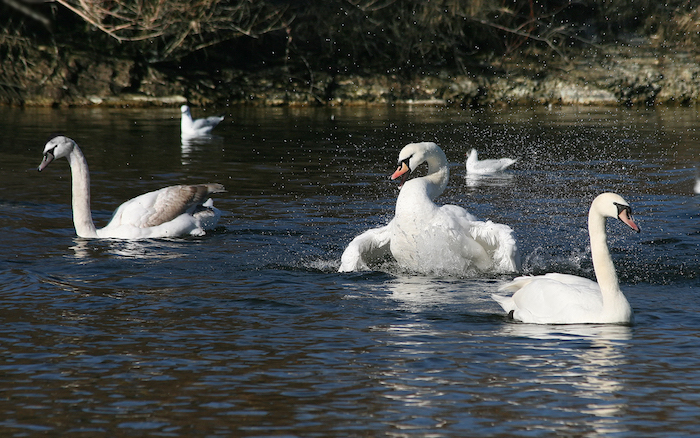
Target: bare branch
<point x="179" y="27"/>
<point x="28" y="12"/>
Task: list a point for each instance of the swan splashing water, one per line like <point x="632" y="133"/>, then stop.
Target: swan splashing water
<point x="169" y="212"/>
<point x="428" y="238"/>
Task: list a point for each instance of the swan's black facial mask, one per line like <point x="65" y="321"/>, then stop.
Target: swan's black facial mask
<point x="621" y="208"/>
<point x="402" y="172"/>
<point x="624" y="213"/>
<point x="404" y="177"/>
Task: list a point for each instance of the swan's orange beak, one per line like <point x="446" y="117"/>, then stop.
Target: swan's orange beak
<point x="403" y="171"/>
<point x="626" y="217"/>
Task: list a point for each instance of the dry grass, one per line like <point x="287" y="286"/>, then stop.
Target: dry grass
<point x="378" y="35"/>
<point x="179" y="27"/>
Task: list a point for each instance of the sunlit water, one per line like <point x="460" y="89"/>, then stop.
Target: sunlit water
<point x="249" y="331"/>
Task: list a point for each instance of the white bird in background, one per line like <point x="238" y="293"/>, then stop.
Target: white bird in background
<point x="484" y="167"/>
<point x="569" y="299"/>
<point x="428" y="238"/>
<point x="169" y="212"/>
<point x="196" y="128"/>
<point x="697" y="185"/>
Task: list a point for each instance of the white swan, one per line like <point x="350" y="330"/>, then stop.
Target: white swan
<point x="697" y="185"/>
<point x="428" y="238"/>
<point x="196" y="128"/>
<point x="168" y="212"/>
<point x="568" y="299"/>
<point x="484" y="167"/>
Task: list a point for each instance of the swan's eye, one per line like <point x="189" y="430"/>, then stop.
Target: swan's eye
<point x="623" y="208"/>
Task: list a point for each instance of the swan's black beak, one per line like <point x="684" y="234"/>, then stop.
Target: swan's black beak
<point x="624" y="213"/>
<point x="48" y="158"/>
<point x="403" y="171"/>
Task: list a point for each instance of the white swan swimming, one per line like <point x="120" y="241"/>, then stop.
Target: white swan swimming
<point x="569" y="299"/>
<point x="428" y="238"/>
<point x="484" y="167"/>
<point x="697" y="185"/>
<point x="190" y="128"/>
<point x="169" y="212"/>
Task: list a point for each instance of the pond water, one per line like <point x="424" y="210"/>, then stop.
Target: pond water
<point x="250" y="331"/>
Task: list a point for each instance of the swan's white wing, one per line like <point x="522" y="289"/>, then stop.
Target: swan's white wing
<point x="206" y="124"/>
<point x="457" y="213"/>
<point x="455" y="241"/>
<point x="450" y="233"/>
<point x="498" y="241"/>
<point x="492" y="246"/>
<point x="370" y="246"/>
<point x="551" y="299"/>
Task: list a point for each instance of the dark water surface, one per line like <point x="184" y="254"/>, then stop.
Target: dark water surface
<point x="249" y="331"/>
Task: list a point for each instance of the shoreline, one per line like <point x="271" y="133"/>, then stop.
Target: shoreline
<point x="599" y="76"/>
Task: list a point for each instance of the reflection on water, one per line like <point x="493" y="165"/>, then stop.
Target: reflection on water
<point x="501" y="179"/>
<point x="137" y="249"/>
<point x="419" y="293"/>
<point x="193" y="147"/>
<point x="590" y="358"/>
<point x="250" y="331"/>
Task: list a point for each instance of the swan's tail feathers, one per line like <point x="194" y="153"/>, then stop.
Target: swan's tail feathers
<point x="507" y="162"/>
<point x="516" y="284"/>
<point x="370" y="246"/>
<point x="215" y="188"/>
<point x="200" y="193"/>
<point x="499" y="243"/>
<point x="506" y="303"/>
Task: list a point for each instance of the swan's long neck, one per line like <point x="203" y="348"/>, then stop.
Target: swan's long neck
<point x="186" y="121"/>
<point x="417" y="194"/>
<point x="82" y="216"/>
<point x="602" y="261"/>
<point x="438" y="175"/>
<point x="472" y="158"/>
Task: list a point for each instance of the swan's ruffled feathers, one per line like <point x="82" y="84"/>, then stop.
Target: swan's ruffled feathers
<point x="368" y="247"/>
<point x="490" y="245"/>
<point x="499" y="242"/>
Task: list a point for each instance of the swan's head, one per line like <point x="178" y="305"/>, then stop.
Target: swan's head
<point x="184" y="109"/>
<point x="614" y="205"/>
<point x="57" y="147"/>
<point x="415" y="154"/>
<point x="472" y="155"/>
